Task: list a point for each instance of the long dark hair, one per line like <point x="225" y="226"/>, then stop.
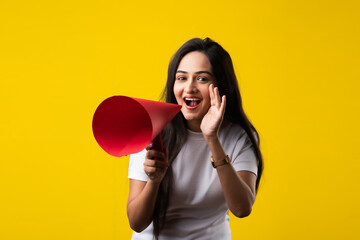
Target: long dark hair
<point x="175" y="133"/>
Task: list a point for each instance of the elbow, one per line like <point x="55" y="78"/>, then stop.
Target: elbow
<point x="244" y="208"/>
<point x="243" y="212"/>
<point x="137" y="225"/>
<point x="137" y="228"/>
<point x="134" y="222"/>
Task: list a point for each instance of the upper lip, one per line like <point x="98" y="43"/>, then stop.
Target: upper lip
<point x="191" y="97"/>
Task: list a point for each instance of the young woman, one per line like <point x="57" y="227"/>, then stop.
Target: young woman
<point x="213" y="162"/>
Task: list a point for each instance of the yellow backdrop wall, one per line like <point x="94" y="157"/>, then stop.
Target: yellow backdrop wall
<point x="298" y="68"/>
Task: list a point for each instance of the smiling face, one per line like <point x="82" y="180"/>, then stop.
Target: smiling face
<point x="191" y="88"/>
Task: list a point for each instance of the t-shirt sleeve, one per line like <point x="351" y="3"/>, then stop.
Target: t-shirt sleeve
<point x="244" y="158"/>
<point x="136" y="166"/>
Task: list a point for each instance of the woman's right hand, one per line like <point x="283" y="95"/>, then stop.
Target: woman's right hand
<point x="155" y="169"/>
<point x="142" y="195"/>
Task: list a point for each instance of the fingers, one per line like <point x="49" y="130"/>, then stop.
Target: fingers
<point x="211" y="91"/>
<point x="155" y="169"/>
<point x="223" y="105"/>
<point x="215" y="99"/>
<point x="148" y="147"/>
<point x="154" y="164"/>
<point x="155" y="155"/>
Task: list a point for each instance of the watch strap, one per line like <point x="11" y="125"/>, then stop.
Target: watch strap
<point x="216" y="164"/>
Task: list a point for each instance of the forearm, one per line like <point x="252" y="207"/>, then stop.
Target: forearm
<point x="140" y="209"/>
<point x="238" y="194"/>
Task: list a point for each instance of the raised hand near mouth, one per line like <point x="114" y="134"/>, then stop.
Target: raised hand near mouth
<point x="212" y="120"/>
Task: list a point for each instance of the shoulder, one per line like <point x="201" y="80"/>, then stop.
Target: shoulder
<point x="234" y="138"/>
<point x="239" y="147"/>
<point x="136" y="166"/>
<point x="140" y="156"/>
<point x="232" y="131"/>
<point x="235" y="132"/>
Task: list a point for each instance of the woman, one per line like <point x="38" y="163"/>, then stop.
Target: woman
<point x="213" y="162"/>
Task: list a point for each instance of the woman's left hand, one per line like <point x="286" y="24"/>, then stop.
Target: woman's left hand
<point x="212" y="120"/>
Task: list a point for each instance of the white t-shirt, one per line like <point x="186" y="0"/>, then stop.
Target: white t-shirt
<point x="197" y="208"/>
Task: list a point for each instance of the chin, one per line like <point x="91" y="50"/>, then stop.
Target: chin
<point x="190" y="117"/>
<point x="192" y="114"/>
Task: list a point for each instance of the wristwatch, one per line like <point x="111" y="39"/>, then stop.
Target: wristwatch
<point x="215" y="164"/>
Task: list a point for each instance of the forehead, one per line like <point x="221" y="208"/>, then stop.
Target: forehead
<point x="195" y="61"/>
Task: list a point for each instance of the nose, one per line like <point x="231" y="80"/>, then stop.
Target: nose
<point x="190" y="86"/>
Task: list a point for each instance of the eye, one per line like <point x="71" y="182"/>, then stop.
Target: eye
<point x="180" y="78"/>
<point x="202" y="79"/>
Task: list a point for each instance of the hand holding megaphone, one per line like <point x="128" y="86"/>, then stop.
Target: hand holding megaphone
<point x="125" y="125"/>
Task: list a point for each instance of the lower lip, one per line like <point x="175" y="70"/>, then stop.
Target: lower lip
<point x="191" y="108"/>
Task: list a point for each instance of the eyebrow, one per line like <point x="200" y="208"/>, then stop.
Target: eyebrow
<point x="199" y="72"/>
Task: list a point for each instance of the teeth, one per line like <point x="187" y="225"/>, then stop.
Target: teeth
<point x="192" y="102"/>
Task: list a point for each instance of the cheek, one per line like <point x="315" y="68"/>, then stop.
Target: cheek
<point x="206" y="94"/>
<point x="177" y="92"/>
<point x="178" y="99"/>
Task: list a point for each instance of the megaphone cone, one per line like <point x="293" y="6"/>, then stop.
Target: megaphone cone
<point x="124" y="125"/>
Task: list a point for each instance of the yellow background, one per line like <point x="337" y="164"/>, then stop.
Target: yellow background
<point x="298" y="69"/>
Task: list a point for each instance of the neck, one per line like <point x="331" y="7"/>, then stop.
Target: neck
<point x="194" y="125"/>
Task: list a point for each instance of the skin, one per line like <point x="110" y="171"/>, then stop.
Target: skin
<point x="194" y="78"/>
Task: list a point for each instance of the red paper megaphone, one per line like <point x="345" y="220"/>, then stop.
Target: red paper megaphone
<point x="124" y="125"/>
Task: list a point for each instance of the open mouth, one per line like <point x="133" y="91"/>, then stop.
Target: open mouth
<point x="192" y="102"/>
